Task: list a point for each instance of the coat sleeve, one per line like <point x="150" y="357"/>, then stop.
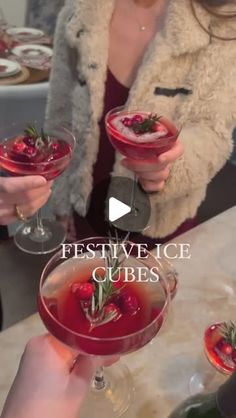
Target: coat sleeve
<point x="59" y="104"/>
<point x="208" y="116"/>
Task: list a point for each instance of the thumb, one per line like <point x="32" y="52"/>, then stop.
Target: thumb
<point x="13" y="185"/>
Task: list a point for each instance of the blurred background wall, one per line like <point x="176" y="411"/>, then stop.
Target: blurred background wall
<point x="40" y="14"/>
<point x="14" y="11"/>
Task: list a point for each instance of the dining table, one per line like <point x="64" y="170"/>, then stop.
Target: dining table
<point x="162" y="370"/>
<point x="24" y="90"/>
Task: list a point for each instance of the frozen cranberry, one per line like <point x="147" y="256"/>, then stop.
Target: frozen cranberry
<point x="118" y="284"/>
<point x="137" y="119"/>
<point x="127" y="122"/>
<point x="83" y="291"/>
<point x="55" y="146"/>
<point x="112" y="309"/>
<point x="30" y="151"/>
<point x="30" y="142"/>
<point x="224" y="347"/>
<point x="227" y="349"/>
<point x="158" y="127"/>
<point x="129" y="304"/>
<point x="18" y="147"/>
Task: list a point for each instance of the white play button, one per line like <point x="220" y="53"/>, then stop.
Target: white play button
<point x="117" y="209"/>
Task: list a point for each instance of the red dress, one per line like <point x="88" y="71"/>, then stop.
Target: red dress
<point x="93" y="224"/>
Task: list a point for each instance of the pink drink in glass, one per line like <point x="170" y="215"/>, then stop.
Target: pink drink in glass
<point x="126" y="137"/>
<point x="141" y="307"/>
<point x="26" y="151"/>
<point x="18" y="156"/>
<point x="219" y="352"/>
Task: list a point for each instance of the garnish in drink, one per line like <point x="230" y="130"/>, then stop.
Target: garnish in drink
<point x="140" y="135"/>
<point x="102" y="301"/>
<point x="220" y="346"/>
<point x="31" y="149"/>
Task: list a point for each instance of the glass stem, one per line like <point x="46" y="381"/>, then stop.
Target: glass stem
<point x="133" y="195"/>
<point x="99" y="380"/>
<point x="39" y="223"/>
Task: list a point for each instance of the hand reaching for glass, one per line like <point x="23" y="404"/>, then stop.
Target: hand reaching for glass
<point x="49" y="382"/>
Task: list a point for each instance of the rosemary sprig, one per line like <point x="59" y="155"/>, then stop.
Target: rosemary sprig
<point x="228" y="332"/>
<point x="105" y="290"/>
<point x="41" y="140"/>
<point x="147" y="125"/>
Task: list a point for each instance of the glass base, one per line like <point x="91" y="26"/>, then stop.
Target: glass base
<point x="40" y="241"/>
<point x="206" y="382"/>
<point x="114" y="399"/>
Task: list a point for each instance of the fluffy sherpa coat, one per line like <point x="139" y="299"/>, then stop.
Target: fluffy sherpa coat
<point x="185" y="75"/>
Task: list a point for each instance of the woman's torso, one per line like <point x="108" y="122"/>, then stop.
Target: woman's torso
<point x="170" y="81"/>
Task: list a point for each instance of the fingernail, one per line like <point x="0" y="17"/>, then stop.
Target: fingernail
<point x="39" y="181"/>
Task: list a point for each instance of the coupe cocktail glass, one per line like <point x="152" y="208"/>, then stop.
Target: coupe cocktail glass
<point x="139" y="135"/>
<point x="220" y="351"/>
<point x="220" y="346"/>
<point x="137" y="312"/>
<point x="19" y="156"/>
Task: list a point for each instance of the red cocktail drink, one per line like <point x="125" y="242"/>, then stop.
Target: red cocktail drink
<point x="219" y="348"/>
<point x="137" y="313"/>
<point x="140" y="135"/>
<point x="135" y="323"/>
<point x="105" y="305"/>
<point x="30" y="151"/>
<point x="24" y="155"/>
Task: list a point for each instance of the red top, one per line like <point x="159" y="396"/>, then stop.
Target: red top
<point x="93" y="225"/>
<point x="115" y="95"/>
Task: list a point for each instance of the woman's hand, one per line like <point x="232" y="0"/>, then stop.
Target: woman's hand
<point x="49" y="383"/>
<point x="152" y="174"/>
<point x="29" y="193"/>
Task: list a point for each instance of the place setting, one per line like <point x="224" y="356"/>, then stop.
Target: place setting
<point x="33" y="56"/>
<point x="28" y="52"/>
<point x="25" y="34"/>
<point x="12" y="72"/>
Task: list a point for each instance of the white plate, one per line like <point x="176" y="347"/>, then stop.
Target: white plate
<point x="25" y="33"/>
<point x="9" y="68"/>
<point x="32" y="51"/>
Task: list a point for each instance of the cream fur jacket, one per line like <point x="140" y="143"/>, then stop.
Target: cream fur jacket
<point x="185" y="75"/>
